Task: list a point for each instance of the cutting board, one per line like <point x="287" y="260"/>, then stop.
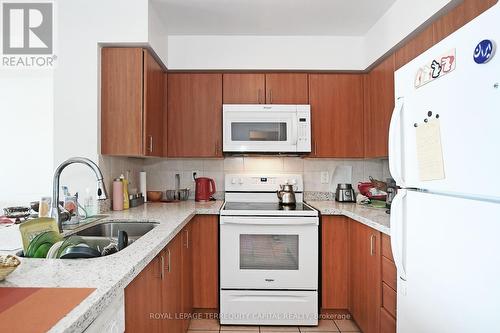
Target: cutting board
<point x="37" y="309"/>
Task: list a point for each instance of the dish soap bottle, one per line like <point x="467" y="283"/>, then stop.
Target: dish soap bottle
<point x="126" y="202"/>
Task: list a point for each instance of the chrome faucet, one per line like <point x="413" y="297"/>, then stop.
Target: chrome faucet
<point x="57" y="214"/>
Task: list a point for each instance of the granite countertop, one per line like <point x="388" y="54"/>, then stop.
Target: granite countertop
<point x="109" y="275"/>
<point x="375" y="218"/>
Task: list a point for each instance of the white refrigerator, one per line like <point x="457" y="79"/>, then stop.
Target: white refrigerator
<point x="444" y="152"/>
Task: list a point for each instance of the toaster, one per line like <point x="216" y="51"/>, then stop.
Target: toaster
<point x="345" y="193"/>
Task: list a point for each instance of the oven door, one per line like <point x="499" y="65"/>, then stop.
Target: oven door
<point x="260" y="131"/>
<point x="269" y="252"/>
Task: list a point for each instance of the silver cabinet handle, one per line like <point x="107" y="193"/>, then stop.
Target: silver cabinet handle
<point x="168" y="261"/>
<point x="258" y="96"/>
<point x="162" y="261"/>
<point x="372" y="245"/>
<point x="271" y="96"/>
<point x="150" y="146"/>
<point x="187" y="239"/>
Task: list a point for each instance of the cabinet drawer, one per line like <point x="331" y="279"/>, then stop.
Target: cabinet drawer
<point x="387" y="322"/>
<point x="389" y="273"/>
<point x="389" y="299"/>
<point x="386" y="247"/>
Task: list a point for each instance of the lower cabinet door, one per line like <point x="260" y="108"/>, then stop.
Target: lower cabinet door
<point x="365" y="287"/>
<point x="186" y="277"/>
<point x="387" y="322"/>
<point x="143" y="306"/>
<point x="171" y="292"/>
<point x="205" y="247"/>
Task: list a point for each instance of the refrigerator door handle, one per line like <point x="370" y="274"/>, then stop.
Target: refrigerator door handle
<point x="395" y="144"/>
<point x="397" y="218"/>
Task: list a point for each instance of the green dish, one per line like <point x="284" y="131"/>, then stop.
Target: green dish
<point x="41" y="244"/>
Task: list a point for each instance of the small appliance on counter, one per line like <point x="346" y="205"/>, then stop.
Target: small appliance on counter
<point x="286" y="195"/>
<point x="345" y="193"/>
<point x="205" y="189"/>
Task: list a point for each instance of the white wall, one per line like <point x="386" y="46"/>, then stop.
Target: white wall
<point x="26" y="128"/>
<point x="157" y="34"/>
<point x="397" y="23"/>
<point x="265" y="52"/>
<point x="302" y="52"/>
<point x="82" y="26"/>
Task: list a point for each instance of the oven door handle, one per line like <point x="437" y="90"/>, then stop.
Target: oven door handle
<point x="269" y="222"/>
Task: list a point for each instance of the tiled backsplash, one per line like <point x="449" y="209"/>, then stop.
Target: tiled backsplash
<point x="112" y="167"/>
<point x="161" y="172"/>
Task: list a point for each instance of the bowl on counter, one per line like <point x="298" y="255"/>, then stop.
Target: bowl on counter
<point x="176" y="195"/>
<point x="154" y="196"/>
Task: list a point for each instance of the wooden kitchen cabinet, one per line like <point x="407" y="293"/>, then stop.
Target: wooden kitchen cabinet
<point x="473" y="8"/>
<point x="163" y="290"/>
<point x="171" y="292"/>
<point x="449" y="23"/>
<point x="389" y="287"/>
<point x="265" y="88"/>
<point x="131" y="103"/>
<point x="194" y="125"/>
<point x="337" y="115"/>
<point x="378" y="107"/>
<point x="186" y="275"/>
<point x="335" y="262"/>
<point x="205" y="247"/>
<point x="143" y="298"/>
<point x="365" y="286"/>
<point x="287" y="88"/>
<point x="244" y="88"/>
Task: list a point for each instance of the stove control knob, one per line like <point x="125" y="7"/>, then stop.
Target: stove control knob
<point x="241" y="181"/>
<point x="294" y="181"/>
<point x="233" y="181"/>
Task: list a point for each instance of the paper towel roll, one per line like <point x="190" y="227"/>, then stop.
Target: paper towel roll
<point x="142" y="183"/>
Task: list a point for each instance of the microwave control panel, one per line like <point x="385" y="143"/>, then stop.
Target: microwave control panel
<point x="303" y="131"/>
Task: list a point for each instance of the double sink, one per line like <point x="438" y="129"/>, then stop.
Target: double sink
<point x="99" y="236"/>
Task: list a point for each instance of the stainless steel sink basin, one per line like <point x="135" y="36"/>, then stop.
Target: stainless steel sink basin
<point x="134" y="230"/>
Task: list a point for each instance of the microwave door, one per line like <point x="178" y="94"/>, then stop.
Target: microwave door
<point x="259" y="132"/>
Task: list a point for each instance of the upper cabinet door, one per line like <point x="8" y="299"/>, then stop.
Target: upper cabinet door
<point x="244" y="88"/>
<point x="379" y="104"/>
<point x="153" y="106"/>
<point x="194" y="125"/>
<point x="337" y="115"/>
<point x="121" y="101"/>
<point x="287" y="88"/>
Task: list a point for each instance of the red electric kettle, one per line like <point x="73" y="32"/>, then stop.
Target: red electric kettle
<point x="205" y="188"/>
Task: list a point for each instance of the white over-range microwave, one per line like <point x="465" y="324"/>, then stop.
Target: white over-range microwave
<point x="262" y="128"/>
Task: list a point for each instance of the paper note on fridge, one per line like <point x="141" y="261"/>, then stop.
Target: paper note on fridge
<point x="430" y="151"/>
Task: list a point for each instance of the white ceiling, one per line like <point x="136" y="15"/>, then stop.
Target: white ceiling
<point x="270" y="17"/>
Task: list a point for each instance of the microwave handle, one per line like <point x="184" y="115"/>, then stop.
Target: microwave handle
<point x="295" y="126"/>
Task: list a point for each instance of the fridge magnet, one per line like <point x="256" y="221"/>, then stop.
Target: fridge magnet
<point x="436" y="68"/>
<point x="484" y="51"/>
<point x="429" y="149"/>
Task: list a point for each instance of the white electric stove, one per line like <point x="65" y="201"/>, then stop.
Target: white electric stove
<point x="268" y="254"/>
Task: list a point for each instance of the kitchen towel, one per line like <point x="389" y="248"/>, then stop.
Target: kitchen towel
<point x="142" y="182"/>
